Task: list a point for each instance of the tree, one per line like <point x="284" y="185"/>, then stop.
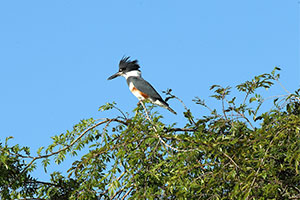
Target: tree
<point x="239" y="152"/>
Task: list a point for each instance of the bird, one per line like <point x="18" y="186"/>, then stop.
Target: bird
<point x="139" y="87"/>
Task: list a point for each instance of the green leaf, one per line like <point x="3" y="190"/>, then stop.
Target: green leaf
<point x="252" y="99"/>
<point x="39" y="150"/>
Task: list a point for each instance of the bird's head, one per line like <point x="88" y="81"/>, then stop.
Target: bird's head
<point x="125" y="66"/>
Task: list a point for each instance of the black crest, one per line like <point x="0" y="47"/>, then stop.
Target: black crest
<point x="128" y="65"/>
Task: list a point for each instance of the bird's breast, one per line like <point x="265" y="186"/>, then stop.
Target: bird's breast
<point x="140" y="95"/>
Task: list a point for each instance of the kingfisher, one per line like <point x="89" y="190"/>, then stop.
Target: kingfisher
<point x="137" y="85"/>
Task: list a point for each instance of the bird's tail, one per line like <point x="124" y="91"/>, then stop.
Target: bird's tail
<point x="164" y="104"/>
<point x="171" y="110"/>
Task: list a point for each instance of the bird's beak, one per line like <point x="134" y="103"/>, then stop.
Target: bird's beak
<point x="115" y="76"/>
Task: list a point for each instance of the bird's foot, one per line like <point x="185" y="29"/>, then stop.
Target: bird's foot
<point x="139" y="103"/>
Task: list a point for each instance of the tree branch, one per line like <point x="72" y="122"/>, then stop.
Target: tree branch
<point x="127" y="193"/>
<point x="181" y="129"/>
<point x="70" y="145"/>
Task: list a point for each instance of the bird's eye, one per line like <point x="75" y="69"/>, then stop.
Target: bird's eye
<point x="120" y="70"/>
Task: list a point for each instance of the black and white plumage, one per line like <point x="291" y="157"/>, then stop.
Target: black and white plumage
<point x="137" y="85"/>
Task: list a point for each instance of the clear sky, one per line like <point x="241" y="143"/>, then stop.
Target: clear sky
<point x="56" y="56"/>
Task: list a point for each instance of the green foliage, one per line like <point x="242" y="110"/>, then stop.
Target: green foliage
<point x="12" y="176"/>
<point x="236" y="152"/>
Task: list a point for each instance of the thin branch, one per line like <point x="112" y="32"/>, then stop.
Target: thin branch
<point x="44" y="183"/>
<point x="298" y="190"/>
<point x="285" y="88"/>
<point x="243" y="116"/>
<point x="282" y="86"/>
<point x="107" y="124"/>
<point x="106" y="191"/>
<point x="127" y="193"/>
<point x="121" y="112"/>
<point x="22" y="156"/>
<point x="223" y="106"/>
<point x="187" y="110"/>
<point x="181" y="102"/>
<point x="119" y="192"/>
<point x="295" y="197"/>
<point x="182" y="129"/>
<point x="246" y="97"/>
<point x="231" y="160"/>
<point x="272" y="97"/>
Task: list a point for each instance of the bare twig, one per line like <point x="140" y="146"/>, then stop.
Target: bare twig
<point x="124" y="116"/>
<point x="181" y="102"/>
<point x="285" y="89"/>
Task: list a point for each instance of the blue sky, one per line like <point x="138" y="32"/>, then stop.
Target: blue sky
<point x="55" y="56"/>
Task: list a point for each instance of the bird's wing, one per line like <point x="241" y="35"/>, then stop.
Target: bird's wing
<point x="147" y="89"/>
<point x="144" y="87"/>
